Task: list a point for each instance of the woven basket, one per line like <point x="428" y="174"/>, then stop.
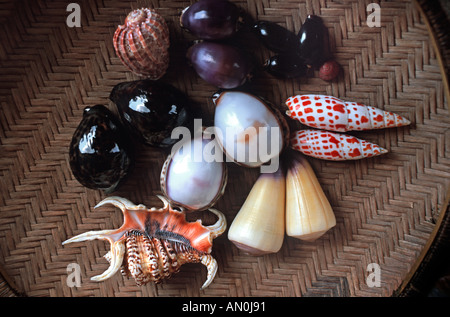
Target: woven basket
<point x="390" y="209"/>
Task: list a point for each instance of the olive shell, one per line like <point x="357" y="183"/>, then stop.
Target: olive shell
<point x="222" y="65"/>
<point x="276" y="38"/>
<point x="313" y="37"/>
<point x="211" y="20"/>
<point x="286" y="66"/>
<point x="100" y="154"/>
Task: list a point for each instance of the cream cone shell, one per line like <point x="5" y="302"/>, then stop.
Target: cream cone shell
<point x="259" y="226"/>
<point x="308" y="212"/>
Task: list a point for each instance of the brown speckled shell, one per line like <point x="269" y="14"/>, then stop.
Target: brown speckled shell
<point x="142" y="43"/>
<point x="159" y="241"/>
<point x="151" y="259"/>
<point x="152" y="244"/>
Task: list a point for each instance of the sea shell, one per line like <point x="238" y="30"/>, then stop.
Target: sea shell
<point x="313" y="37"/>
<point x="250" y="131"/>
<point x="333" y="114"/>
<point x="211" y="20"/>
<point x="100" y="153"/>
<point x="222" y="65"/>
<point x="285" y="66"/>
<point x="308" y="212"/>
<point x="258" y="227"/>
<point x="333" y="146"/>
<point x="151" y="110"/>
<point x="191" y="180"/>
<point x="276" y="37"/>
<point x="142" y="43"/>
<point x="152" y="244"/>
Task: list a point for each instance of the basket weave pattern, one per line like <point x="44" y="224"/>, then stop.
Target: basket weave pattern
<point x="386" y="207"/>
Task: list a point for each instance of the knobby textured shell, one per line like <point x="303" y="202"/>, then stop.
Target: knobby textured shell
<point x="142" y="43"/>
<point x="152" y="244"/>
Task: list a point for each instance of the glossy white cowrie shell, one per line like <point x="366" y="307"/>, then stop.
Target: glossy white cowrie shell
<point x="249" y="130"/>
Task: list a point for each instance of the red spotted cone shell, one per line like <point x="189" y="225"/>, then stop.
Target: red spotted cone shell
<point x="142" y="43"/>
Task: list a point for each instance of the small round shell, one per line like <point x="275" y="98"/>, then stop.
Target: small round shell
<point x="142" y="43"/>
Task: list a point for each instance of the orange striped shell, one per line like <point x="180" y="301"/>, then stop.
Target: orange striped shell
<point x="152" y="244"/>
<point x="142" y="43"/>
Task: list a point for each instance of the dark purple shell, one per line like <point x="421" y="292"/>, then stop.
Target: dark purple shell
<point x="100" y="154"/>
<point x="276" y="38"/>
<point x="151" y="110"/>
<point x="286" y="66"/>
<point x="211" y="19"/>
<point x="313" y="38"/>
<point x="219" y="64"/>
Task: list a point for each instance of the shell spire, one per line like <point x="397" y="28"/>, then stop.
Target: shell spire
<point x="333" y="146"/>
<point x="333" y="114"/>
<point x="142" y="43"/>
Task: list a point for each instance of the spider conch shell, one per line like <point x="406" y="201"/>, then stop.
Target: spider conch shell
<point x="152" y="244"/>
<point x="142" y="43"/>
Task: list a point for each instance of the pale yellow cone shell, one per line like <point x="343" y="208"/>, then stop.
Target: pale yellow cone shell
<point x="308" y="212"/>
<point x="258" y="227"/>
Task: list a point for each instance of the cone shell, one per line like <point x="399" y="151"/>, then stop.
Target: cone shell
<point x="258" y="228"/>
<point x="308" y="212"/>
<point x="142" y="43"/>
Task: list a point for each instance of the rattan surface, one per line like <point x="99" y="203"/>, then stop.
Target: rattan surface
<point x="386" y="207"/>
